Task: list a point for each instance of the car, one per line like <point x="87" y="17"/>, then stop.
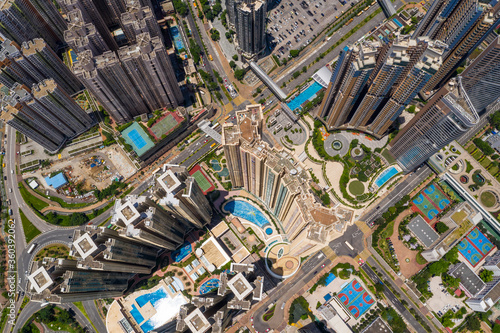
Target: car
<point x="17" y="153"/>
<point x="315" y="272"/>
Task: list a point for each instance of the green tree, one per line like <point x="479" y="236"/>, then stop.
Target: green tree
<point x="180" y="7"/>
<point x="195" y="50"/>
<point x="228" y="36"/>
<point x="441" y="227"/>
<point x="379" y="287"/>
<point x="452" y="255"/>
<point x="304" y="69"/>
<point x="486" y="275"/>
<point x="294" y="53"/>
<point x="495" y="119"/>
<point x="78" y="219"/>
<point x="450" y="280"/>
<point x="296" y="75"/>
<point x="484" y="146"/>
<point x="496" y="328"/>
<point x="239" y="74"/>
<point x="473" y="324"/>
<point x="235" y="57"/>
<point x="438" y="267"/>
<point x="215" y="35"/>
<point x="232" y="64"/>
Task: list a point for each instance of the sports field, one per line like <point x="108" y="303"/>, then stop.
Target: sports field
<point x="202" y="180"/>
<point x="430" y="202"/>
<point x="355" y="298"/>
<point x="165" y="125"/>
<point x="475" y="247"/>
<point x="135" y="136"/>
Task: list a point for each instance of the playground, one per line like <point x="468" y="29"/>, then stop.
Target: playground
<point x="202" y="179"/>
<point x="355" y="298"/>
<point x="475" y="247"/>
<point x="430" y="202"/>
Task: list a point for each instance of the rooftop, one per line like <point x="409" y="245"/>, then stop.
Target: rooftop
<point x="197" y="322"/>
<point x="423" y="231"/>
<point x="377" y="326"/>
<point x="57" y="181"/>
<point x="468" y="279"/>
<point x="240" y="286"/>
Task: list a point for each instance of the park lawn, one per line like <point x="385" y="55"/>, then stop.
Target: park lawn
<point x="471" y="148"/>
<point x="485" y="162"/>
<point x="477" y="155"/>
<point x="469" y="167"/>
<point x="388" y="156"/>
<point x="30" y="231"/>
<point x="494" y="170"/>
<point x="31" y="200"/>
<point x="356" y="187"/>
<point x="488" y="199"/>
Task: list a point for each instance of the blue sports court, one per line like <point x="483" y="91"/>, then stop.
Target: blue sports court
<point x="355" y="298"/>
<point x="135" y="136"/>
<point x="475" y="246"/>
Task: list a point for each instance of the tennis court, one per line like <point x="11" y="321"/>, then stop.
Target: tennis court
<point x="437" y="196"/>
<point x="165" y="125"/>
<point x="202" y="179"/>
<point x="135" y="136"/>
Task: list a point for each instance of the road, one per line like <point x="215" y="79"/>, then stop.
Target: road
<point x="402" y="189"/>
<point x="95" y="318"/>
<point x="208" y="66"/>
<point x="394" y="300"/>
<point x="286" y="291"/>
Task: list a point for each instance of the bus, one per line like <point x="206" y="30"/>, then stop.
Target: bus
<point x="210" y="57"/>
<point x="227" y="118"/>
<point x="214" y="126"/>
<point x="32" y="247"/>
<point x="213" y="145"/>
<point x="349" y="245"/>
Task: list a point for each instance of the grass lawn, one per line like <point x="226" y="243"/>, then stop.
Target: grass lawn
<point x="269" y="313"/>
<point x="53" y="251"/>
<point x="388" y="156"/>
<point x="488" y="199"/>
<point x="63" y="203"/>
<point x="31" y="200"/>
<point x="477" y="155"/>
<point x="356" y="187"/>
<point x="469" y="166"/>
<point x="30" y="231"/>
<point x="486" y="162"/>
<point x="80" y="307"/>
<point x="420" y="260"/>
<point x="471" y="148"/>
<point x="493" y="170"/>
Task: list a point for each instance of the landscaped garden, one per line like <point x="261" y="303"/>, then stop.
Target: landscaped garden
<point x="488" y="199"/>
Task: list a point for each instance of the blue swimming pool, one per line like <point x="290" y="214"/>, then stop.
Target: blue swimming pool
<point x="247" y="211"/>
<point x="136" y="314"/>
<point x="165" y="306"/>
<point x="179" y="45"/>
<point x="209" y="285"/>
<point x="269" y="231"/>
<point x="385" y="176"/>
<point x="330" y="278"/>
<point x="397" y="22"/>
<point x="182" y="252"/>
<point x="306" y="95"/>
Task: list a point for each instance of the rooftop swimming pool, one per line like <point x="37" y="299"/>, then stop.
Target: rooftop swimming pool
<point x="165" y="306"/>
<point x="306" y="95"/>
<point x="209" y="285"/>
<point x="179" y="45"/>
<point x="385" y="176"/>
<point x="247" y="211"/>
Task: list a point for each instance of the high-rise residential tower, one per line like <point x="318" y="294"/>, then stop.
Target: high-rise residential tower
<point x="180" y="194"/>
<point x="82" y="36"/>
<point x="350" y="74"/>
<point x="250" y="23"/>
<point x="139" y="19"/>
<point x="46" y="114"/>
<point x="446" y="116"/>
<point x="280" y="183"/>
<point x="481" y="79"/>
<point x="148" y="64"/>
<point x="473" y="30"/>
<point x="105" y="77"/>
<point x="387" y="77"/>
<point x="91" y="14"/>
<point x="43" y="63"/>
<point x="24" y="20"/>
<point x="145" y="220"/>
<point x="59" y="281"/>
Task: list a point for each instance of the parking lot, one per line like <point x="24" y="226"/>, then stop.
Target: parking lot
<point x="442" y="301"/>
<point x="293" y="23"/>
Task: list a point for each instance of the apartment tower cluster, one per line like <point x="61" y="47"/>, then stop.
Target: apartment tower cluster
<point x="280" y="183"/>
<point x="102" y="260"/>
